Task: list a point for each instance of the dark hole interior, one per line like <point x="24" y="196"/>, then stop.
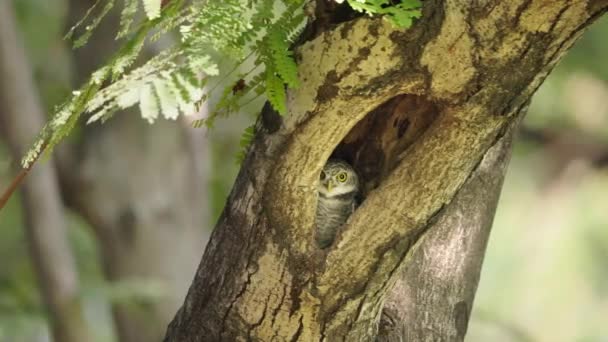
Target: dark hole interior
<point x="378" y="142"/>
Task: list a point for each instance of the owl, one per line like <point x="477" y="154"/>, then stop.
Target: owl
<point x="338" y="190"/>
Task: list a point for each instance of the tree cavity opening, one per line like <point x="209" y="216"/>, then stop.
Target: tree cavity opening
<point x="377" y="143"/>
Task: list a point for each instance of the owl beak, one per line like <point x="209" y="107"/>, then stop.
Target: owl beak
<point x="329" y="186"/>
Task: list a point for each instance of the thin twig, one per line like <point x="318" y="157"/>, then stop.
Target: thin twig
<point x="6" y="195"/>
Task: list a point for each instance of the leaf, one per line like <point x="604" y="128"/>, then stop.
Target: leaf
<point x="84" y="18"/>
<point x="400" y="15"/>
<point x="126" y="17"/>
<point x="152" y="8"/>
<point x="283" y="61"/>
<point x="275" y="91"/>
<point x="233" y="32"/>
<point x="148" y="103"/>
<point x="168" y="100"/>
<point x="84" y="38"/>
<point x="245" y="142"/>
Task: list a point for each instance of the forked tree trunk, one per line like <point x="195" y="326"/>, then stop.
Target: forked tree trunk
<point x="415" y="111"/>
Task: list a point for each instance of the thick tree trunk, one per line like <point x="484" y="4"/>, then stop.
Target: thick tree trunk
<point x="21" y="118"/>
<point x="467" y="70"/>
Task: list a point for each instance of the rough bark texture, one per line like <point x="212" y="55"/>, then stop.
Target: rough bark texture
<point x="474" y="64"/>
<point x="21" y="118"/>
<point x="142" y="188"/>
<point x="433" y="297"/>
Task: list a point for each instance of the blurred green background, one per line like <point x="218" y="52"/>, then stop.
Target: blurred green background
<point x="545" y="276"/>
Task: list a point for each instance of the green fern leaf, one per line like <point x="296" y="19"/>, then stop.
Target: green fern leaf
<point x="275" y="91"/>
<point x="167" y="99"/>
<point x="244" y="143"/>
<point x="282" y="58"/>
<point x="400" y="15"/>
<point x="172" y="82"/>
<point x="126" y="17"/>
<point x="152" y="8"/>
<point x="148" y="103"/>
<point x="84" y="38"/>
<point x="85" y="17"/>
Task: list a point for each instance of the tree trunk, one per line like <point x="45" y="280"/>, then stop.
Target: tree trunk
<point x="433" y="297"/>
<point x="21" y="118"/>
<point x="415" y="111"/>
<point x="135" y="185"/>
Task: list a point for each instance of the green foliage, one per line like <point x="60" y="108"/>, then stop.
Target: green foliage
<point x="277" y="43"/>
<point x="235" y="32"/>
<point x="401" y="14"/>
<point x="275" y="91"/>
<point x="127" y="17"/>
<point x="84" y="38"/>
<point x="246" y="139"/>
<point x="152" y="8"/>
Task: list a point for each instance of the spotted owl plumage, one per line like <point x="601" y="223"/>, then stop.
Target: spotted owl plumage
<point x="338" y="190"/>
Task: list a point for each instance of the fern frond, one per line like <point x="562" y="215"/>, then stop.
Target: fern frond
<point x="172" y="82"/>
<point x="152" y="8"/>
<point x="80" y="22"/>
<point x="126" y="17"/>
<point x="244" y="143"/>
<point x="129" y="53"/>
<point x="148" y="103"/>
<point x="262" y="16"/>
<point x="282" y="57"/>
<point x="275" y="91"/>
<point x="400" y="15"/>
<point x="176" y="16"/>
<point x="84" y="38"/>
<point x="218" y="26"/>
<point x="89" y="96"/>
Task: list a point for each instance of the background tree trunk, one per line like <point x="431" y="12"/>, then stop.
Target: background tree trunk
<point x="143" y="190"/>
<point x="21" y="118"/>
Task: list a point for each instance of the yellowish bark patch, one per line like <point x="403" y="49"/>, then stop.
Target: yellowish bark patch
<point x="540" y="15"/>
<point x="448" y="57"/>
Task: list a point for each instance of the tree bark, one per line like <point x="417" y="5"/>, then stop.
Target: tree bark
<point x="21" y="118"/>
<point x="471" y="66"/>
<point x="433" y="297"/>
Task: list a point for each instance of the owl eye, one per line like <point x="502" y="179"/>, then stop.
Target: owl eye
<point x="342" y="177"/>
<point x="322" y="175"/>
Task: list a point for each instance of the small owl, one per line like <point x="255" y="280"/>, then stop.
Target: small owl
<point x="338" y="188"/>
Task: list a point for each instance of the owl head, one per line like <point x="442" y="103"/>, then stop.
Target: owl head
<point x="338" y="178"/>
